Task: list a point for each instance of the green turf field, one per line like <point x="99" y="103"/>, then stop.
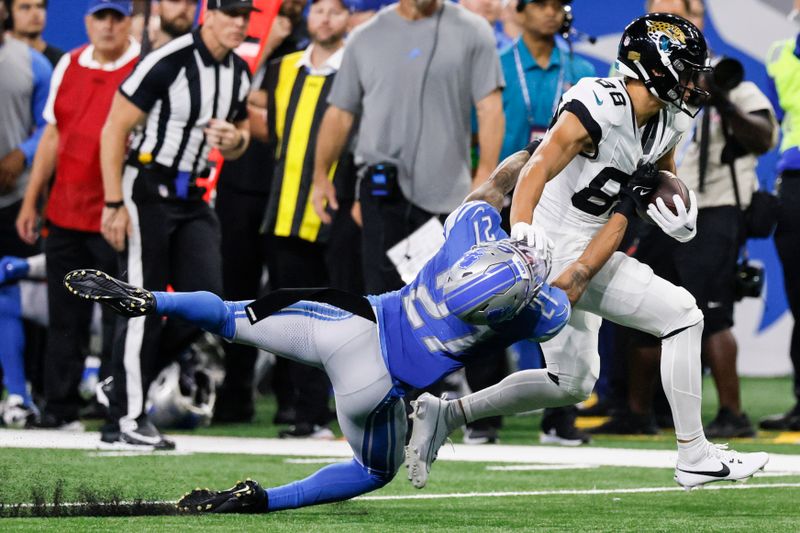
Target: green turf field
<point x="29" y="474"/>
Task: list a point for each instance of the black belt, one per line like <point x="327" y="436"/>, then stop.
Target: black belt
<point x="179" y="183"/>
<point x="275" y="301"/>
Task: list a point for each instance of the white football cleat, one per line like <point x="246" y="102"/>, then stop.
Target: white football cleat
<point x="427" y="436"/>
<point x="719" y="464"/>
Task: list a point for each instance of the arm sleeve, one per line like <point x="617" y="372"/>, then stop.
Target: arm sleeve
<point x="486" y="72"/>
<point x="270" y="84"/>
<point x="472" y="223"/>
<point x="147" y="83"/>
<point x="55" y="82"/>
<point x="347" y="90"/>
<point x="240" y="112"/>
<point x="42" y="73"/>
<point x="749" y="98"/>
<point x="598" y="103"/>
<point x="554" y="312"/>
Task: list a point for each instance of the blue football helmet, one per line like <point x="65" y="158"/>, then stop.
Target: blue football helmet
<point x="494" y="281"/>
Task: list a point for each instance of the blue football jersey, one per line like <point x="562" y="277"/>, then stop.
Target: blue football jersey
<point x="422" y="342"/>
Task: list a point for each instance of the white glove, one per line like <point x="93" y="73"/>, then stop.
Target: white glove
<point x="534" y="236"/>
<point x="681" y="227"/>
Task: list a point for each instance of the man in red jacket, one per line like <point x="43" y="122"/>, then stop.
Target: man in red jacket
<point x="83" y="85"/>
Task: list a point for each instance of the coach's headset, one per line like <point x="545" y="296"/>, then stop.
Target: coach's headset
<point x="564" y="31"/>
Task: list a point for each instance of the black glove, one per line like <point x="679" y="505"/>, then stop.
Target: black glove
<point x="635" y="195"/>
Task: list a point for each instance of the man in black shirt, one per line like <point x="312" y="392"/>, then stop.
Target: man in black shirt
<point x="26" y="23"/>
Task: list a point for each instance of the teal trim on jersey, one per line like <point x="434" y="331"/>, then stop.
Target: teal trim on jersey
<point x="542" y="86"/>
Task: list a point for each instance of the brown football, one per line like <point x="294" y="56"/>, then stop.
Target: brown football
<point x="669" y="186"/>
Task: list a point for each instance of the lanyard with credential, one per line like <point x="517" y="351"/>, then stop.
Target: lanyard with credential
<point x="526" y="96"/>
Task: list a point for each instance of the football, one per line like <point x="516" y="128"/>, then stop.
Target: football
<point x="669" y="185"/>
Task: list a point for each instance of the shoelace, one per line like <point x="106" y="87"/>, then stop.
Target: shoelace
<point x="722" y="452"/>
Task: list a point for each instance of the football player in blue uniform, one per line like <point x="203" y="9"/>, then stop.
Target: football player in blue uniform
<point x="480" y="292"/>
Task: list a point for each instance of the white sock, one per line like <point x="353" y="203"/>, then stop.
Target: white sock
<point x="519" y="392"/>
<point x="682" y="381"/>
<point x="693" y="451"/>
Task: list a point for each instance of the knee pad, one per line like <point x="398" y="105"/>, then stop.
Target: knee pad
<point x="577" y="388"/>
<point x="684" y="313"/>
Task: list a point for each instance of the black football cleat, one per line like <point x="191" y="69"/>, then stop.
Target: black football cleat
<point x="122" y="297"/>
<point x="244" y="497"/>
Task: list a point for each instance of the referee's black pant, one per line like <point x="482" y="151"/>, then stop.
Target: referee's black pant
<point x="175" y="242"/>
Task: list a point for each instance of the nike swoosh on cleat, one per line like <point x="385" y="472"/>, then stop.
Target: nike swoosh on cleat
<point x="723" y="472"/>
<point x="597" y="98"/>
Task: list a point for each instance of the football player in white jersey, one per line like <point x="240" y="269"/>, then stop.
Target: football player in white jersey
<point x="605" y="129"/>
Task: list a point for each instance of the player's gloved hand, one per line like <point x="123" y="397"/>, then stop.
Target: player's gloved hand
<point x="636" y="193"/>
<point x="12" y="269"/>
<point x="534" y="236"/>
<point x="681" y="227"/>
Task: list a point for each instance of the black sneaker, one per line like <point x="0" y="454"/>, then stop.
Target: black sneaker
<point x="727" y="425"/>
<point x="627" y="423"/>
<point x="122" y="297"/>
<point x="789" y="421"/>
<point x="145" y="434"/>
<point x="109" y="432"/>
<point x="244" y="497"/>
<point x="53" y="421"/>
<point x="558" y="427"/>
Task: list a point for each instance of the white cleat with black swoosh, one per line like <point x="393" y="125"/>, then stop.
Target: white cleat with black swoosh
<point x="719" y="464"/>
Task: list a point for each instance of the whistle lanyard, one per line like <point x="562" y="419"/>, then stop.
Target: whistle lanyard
<point x="526" y="95"/>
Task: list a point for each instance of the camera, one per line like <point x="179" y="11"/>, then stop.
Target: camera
<point x="727" y="73"/>
<point x="749" y="281"/>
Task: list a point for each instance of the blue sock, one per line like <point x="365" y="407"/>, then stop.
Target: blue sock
<point x="12" y="346"/>
<point x="333" y="483"/>
<point x="203" y="309"/>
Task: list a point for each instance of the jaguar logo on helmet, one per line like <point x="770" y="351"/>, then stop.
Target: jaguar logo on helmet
<point x="666" y="35"/>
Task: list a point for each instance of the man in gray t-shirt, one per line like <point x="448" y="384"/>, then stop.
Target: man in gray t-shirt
<point x="23" y="93"/>
<point x="411" y="76"/>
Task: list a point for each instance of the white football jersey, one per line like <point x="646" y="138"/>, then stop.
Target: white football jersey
<point x="581" y="198"/>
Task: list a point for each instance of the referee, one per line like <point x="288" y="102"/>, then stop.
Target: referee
<point x="190" y="97"/>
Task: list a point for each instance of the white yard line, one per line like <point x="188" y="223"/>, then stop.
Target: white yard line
<point x="508" y="494"/>
<point x="523" y="468"/>
<point x="576" y="492"/>
<point x="492" y="453"/>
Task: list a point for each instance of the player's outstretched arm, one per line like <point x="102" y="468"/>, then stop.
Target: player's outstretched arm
<point x="574" y="279"/>
<point x="502" y="179"/>
<point x="565" y="140"/>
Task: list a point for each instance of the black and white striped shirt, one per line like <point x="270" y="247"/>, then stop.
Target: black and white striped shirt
<point x="181" y="87"/>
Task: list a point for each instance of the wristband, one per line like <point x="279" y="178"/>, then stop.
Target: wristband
<point x="626" y="207"/>
<point x="115" y="205"/>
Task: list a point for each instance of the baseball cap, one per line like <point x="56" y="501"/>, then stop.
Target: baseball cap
<point x="231" y="4"/>
<point x="366" y="5"/>
<point x="123" y="7"/>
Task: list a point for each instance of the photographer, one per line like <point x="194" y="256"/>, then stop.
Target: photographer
<point x="737" y="125"/>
